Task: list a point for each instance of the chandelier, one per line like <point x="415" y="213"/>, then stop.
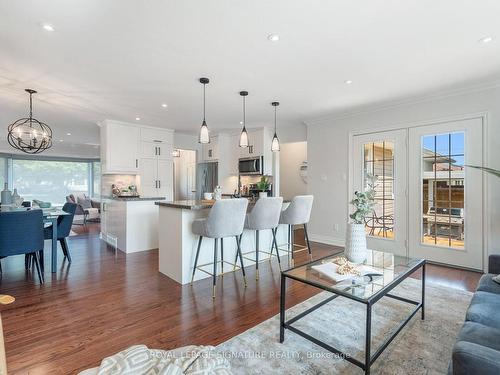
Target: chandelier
<point x="28" y="134"/>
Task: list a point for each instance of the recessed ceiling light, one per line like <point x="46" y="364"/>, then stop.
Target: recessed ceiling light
<point x="273" y="37"/>
<point x="486" y="39"/>
<point x="68" y="133"/>
<point x="61" y="140"/>
<point x="241" y="122"/>
<point x="348" y="82"/>
<point x="48" y="27"/>
<point x="164" y="105"/>
<point x="137" y="119"/>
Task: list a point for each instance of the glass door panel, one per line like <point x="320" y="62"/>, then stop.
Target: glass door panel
<point x="446" y="218"/>
<point x="383" y="156"/>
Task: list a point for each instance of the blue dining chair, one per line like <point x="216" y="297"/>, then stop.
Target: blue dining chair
<point x="64" y="224"/>
<point x="21" y="232"/>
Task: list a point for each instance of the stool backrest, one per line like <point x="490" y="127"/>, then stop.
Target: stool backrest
<point x="227" y="218"/>
<point x="299" y="210"/>
<point x="265" y="214"/>
<point x="21" y="232"/>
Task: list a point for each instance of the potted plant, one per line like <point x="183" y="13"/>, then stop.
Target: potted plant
<point x="363" y="202"/>
<point x="263" y="186"/>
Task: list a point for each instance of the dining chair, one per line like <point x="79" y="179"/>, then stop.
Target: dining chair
<point x="64" y="224"/>
<point x="21" y="232"/>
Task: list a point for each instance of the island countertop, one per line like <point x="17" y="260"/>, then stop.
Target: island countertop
<point x="128" y="199"/>
<point x="196" y="204"/>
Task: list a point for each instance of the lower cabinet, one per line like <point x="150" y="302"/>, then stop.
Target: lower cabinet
<point x="130" y="225"/>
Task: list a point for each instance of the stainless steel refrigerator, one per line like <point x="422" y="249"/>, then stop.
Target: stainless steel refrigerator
<point x="206" y="178"/>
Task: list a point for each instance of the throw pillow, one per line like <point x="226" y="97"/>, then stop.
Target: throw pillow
<point x="84" y="202"/>
<point x="496" y="279"/>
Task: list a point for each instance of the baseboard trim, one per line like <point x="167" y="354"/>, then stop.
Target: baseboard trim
<point x="328" y="240"/>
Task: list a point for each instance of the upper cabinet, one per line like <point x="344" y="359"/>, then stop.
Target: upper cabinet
<point x="210" y="151"/>
<point x="124" y="145"/>
<point x="119" y="148"/>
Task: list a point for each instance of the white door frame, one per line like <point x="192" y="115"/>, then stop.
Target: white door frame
<point x="484" y="115"/>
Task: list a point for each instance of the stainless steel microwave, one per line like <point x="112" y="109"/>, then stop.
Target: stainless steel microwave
<point x="251" y="165"/>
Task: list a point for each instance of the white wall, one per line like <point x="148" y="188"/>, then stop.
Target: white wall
<point x="292" y="155"/>
<point x="328" y="155"/>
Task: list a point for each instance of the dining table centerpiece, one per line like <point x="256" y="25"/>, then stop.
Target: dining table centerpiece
<point x="363" y="202"/>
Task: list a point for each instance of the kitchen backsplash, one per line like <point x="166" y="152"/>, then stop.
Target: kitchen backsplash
<point x="120" y="180"/>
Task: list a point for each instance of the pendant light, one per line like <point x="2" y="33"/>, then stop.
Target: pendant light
<point x="275" y="145"/>
<point x="244" y="134"/>
<point x="204" y="135"/>
<point x="28" y="134"/>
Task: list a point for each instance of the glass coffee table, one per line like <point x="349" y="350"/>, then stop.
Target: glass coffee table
<point x="391" y="269"/>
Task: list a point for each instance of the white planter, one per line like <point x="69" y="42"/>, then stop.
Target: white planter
<point x="262" y="194"/>
<point x="355" y="243"/>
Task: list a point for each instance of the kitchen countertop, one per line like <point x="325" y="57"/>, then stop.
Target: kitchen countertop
<point x="195" y="204"/>
<point x="127" y="199"/>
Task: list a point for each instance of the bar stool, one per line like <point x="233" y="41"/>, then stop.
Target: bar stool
<point x="226" y="219"/>
<point x="264" y="215"/>
<point x="298" y="212"/>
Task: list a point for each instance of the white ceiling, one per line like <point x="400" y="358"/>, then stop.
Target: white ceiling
<point x="121" y="59"/>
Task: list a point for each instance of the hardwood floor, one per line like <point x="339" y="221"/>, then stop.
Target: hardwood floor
<point x="103" y="303"/>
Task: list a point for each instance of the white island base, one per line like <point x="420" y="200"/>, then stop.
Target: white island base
<point x="178" y="245"/>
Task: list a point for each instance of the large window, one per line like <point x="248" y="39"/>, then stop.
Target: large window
<point x="51" y="179"/>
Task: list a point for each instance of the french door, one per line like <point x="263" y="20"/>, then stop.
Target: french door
<point x="428" y="203"/>
<point x="383" y="155"/>
<point x="446" y="202"/>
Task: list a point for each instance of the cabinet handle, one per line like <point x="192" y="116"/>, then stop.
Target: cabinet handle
<point x="159" y="151"/>
<point x="157" y="141"/>
<point x="159" y="184"/>
<point x="156" y="150"/>
<point x="137" y="163"/>
<point x="250" y="149"/>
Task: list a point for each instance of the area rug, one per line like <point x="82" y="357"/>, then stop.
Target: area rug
<point x="422" y="347"/>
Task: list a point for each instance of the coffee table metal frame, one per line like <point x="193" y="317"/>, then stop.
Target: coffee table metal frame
<point x="369" y="302"/>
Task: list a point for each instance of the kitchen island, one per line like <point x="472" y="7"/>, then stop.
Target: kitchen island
<point x="130" y="224"/>
<point x="177" y="243"/>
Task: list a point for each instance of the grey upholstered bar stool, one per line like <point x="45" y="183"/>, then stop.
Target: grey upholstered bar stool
<point x="226" y="219"/>
<point x="298" y="212"/>
<point x="265" y="215"/>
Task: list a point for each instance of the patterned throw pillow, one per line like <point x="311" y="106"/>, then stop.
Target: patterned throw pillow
<point x="496" y="279"/>
<point x="84" y="201"/>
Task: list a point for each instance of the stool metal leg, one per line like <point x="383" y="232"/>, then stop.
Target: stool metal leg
<point x="256" y="255"/>
<point x="238" y="251"/>
<point x="275" y="245"/>
<point x="196" y="258"/>
<point x="215" y="268"/>
<point x="222" y="256"/>
<point x="292" y="236"/>
<point x="307" y="239"/>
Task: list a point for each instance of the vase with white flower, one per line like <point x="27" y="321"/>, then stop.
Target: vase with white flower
<point x="363" y="202"/>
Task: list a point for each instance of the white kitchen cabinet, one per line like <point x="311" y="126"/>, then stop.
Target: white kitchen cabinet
<point x="165" y="178"/>
<point x="157" y="177"/>
<point x="156" y="149"/>
<point x="119" y="148"/>
<point x="210" y="151"/>
<point x="149" y="177"/>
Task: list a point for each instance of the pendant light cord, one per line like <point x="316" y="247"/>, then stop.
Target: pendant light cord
<point x="204" y="101"/>
<point x="275" y="120"/>
<point x="244" y="112"/>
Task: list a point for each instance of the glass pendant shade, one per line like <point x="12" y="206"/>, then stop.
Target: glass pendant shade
<point x="204" y="135"/>
<point x="244" y="138"/>
<point x="275" y="145"/>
